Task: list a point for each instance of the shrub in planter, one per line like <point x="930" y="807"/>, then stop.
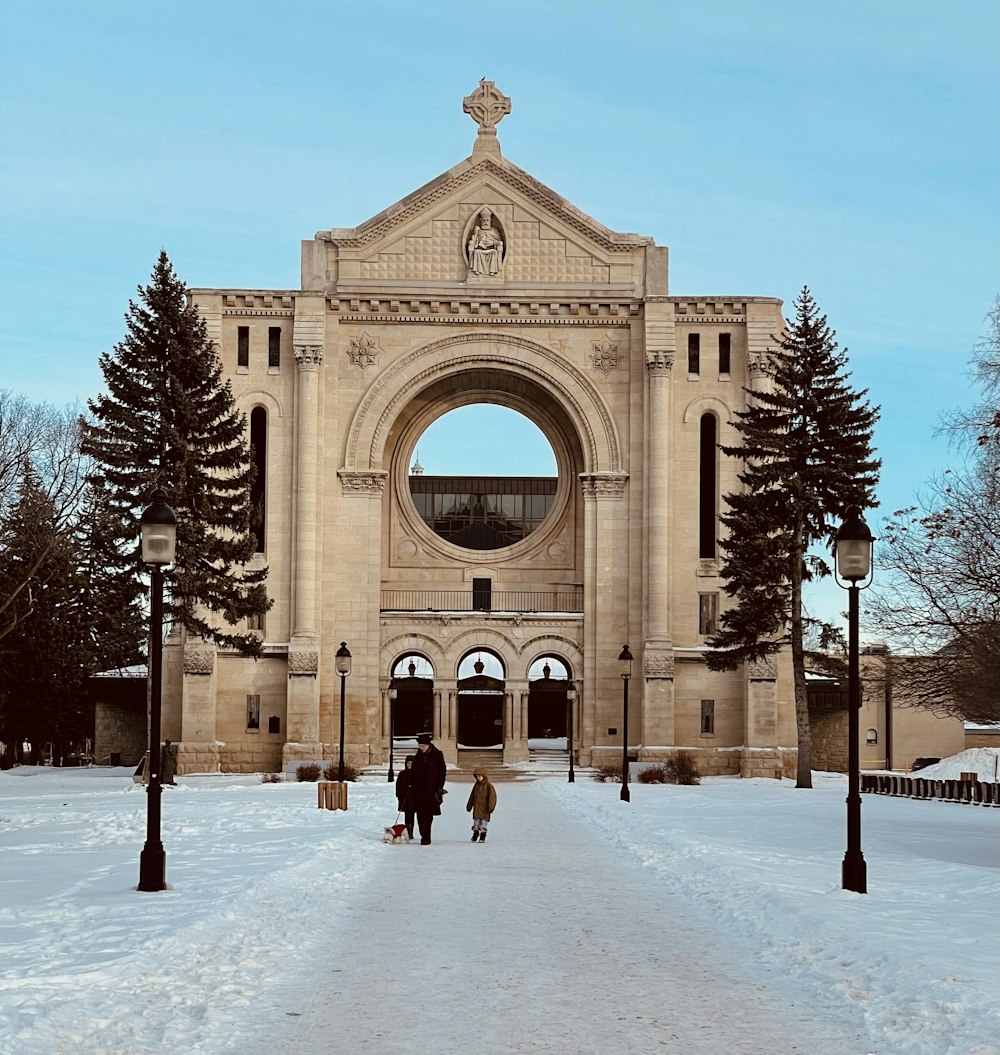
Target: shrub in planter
<point x="307" y="771"/>
<point x="609" y="773"/>
<point x="331" y="771"/>
<point x="652" y="775"/>
<point x="682" y="768"/>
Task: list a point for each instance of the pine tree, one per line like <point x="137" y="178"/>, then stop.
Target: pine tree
<point x="169" y="420"/>
<point x="807" y="454"/>
<point x="44" y="658"/>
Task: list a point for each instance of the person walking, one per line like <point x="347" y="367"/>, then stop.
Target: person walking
<point x="404" y="798"/>
<point x="427" y="785"/>
<point x="482" y="802"/>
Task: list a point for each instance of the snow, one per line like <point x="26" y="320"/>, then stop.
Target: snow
<point x="692" y="919"/>
<point x="982" y="760"/>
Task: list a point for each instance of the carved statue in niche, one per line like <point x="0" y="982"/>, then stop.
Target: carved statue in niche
<point x="485" y="247"/>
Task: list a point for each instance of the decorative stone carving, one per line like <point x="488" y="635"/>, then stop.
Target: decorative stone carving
<point x="485" y="247"/>
<point x="199" y="658"/>
<point x="659" y="362"/>
<point x="762" y="669"/>
<point x="372" y="483"/>
<point x="308" y="356"/>
<point x="760" y="365"/>
<point x="603" y="485"/>
<point x="487" y="106"/>
<point x="364" y="351"/>
<point x="658" y="664"/>
<point x="606" y="354"/>
<point x="303" y="662"/>
<point x="708" y="566"/>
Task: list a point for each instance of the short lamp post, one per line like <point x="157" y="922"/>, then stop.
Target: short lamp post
<point x="571" y="707"/>
<point x="391" y="695"/>
<point x="343" y="672"/>
<point x="625" y="666"/>
<point x="853" y="552"/>
<point x="158" y="529"/>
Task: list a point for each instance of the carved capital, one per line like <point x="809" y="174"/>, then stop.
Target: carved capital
<point x="603" y="485"/>
<point x="199" y="658"/>
<point x="762" y="669"/>
<point x="659" y="364"/>
<point x="308" y="356"/>
<point x="367" y="482"/>
<point x="657" y="664"/>
<point x="760" y="365"/>
<point x="303" y="662"/>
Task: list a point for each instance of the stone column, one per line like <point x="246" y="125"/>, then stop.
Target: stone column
<point x="198" y="752"/>
<point x="605" y="599"/>
<point x="657" y="729"/>
<point x="303" y="737"/>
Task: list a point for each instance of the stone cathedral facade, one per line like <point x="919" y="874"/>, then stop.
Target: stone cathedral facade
<point x="472" y="605"/>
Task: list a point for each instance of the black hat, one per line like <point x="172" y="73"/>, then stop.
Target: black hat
<point x="424" y="738"/>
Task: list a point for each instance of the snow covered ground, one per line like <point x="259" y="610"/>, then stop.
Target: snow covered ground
<point x="288" y="928"/>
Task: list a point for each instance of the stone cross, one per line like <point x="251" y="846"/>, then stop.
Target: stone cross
<point x="487" y="106"/>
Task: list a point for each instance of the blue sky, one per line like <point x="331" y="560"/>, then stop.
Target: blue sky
<point x="851" y="147"/>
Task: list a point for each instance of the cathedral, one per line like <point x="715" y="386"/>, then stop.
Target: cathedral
<point x="487" y="610"/>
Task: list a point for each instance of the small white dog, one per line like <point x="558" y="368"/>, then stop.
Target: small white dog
<point x="396" y="833"/>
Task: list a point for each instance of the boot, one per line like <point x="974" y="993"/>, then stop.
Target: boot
<point x="475" y="834"/>
<point x="482" y="836"/>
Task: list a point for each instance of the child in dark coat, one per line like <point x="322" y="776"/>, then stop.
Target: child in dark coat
<point x="482" y="802"/>
<point x="403" y="797"/>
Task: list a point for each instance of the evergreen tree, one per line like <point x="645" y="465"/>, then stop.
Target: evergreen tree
<point x="169" y="420"/>
<point x="807" y="455"/>
<point x="44" y="658"/>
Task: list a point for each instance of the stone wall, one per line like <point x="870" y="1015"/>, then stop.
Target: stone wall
<point x="829" y="741"/>
<point x="119" y="729"/>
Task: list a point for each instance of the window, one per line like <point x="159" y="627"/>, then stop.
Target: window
<point x="253" y="712"/>
<point x="725" y="350"/>
<point x="694" y="353"/>
<point x="274" y="724"/>
<point x="243" y="347"/>
<point x="708" y="607"/>
<point x="256" y="622"/>
<point x="708" y="485"/>
<point x="871" y="737"/>
<point x="482" y="594"/>
<point x="258" y="489"/>
<point x="707" y="717"/>
<point x="273" y="347"/>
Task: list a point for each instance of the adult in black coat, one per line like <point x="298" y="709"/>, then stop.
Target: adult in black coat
<point x="427" y="785"/>
<point x="403" y="797"/>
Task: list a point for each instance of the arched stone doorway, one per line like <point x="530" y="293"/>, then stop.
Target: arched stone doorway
<point x="481" y="698"/>
<point x="412" y="710"/>
<point x="549" y="680"/>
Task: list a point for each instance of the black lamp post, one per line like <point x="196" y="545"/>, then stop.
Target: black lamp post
<point x="158" y="529"/>
<point x="343" y="670"/>
<point x="571" y="706"/>
<point x="625" y="664"/>
<point x="853" y="551"/>
<point x="391" y="694"/>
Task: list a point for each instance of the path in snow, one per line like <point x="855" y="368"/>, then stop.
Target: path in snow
<point x="458" y="948"/>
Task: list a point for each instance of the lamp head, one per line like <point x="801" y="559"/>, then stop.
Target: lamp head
<point x="625" y="662"/>
<point x="853" y="547"/>
<point x="158" y="530"/>
<point x="343" y="660"/>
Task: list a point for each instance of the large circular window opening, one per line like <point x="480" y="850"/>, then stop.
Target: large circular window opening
<point x="483" y="477"/>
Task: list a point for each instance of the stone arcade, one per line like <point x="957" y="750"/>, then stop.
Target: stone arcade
<point x="485" y="286"/>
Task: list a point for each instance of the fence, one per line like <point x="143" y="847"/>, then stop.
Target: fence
<point x="972" y="792"/>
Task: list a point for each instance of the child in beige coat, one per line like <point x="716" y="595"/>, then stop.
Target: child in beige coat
<point x="482" y="802"/>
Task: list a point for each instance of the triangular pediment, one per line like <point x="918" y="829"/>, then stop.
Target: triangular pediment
<point x="542" y="239"/>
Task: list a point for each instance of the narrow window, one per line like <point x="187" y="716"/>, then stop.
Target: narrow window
<point x="871" y="737"/>
<point x="256" y="622"/>
<point x="707" y="716"/>
<point x="482" y="594"/>
<point x="243" y="347"/>
<point x="274" y="724"/>
<point x="725" y="350"/>
<point x="273" y="347"/>
<point x="694" y="353"/>
<point x="258" y="489"/>
<point x="708" y="485"/>
<point x="253" y="712"/>
<point x="708" y="607"/>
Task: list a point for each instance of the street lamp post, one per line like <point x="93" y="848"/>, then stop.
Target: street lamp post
<point x="625" y="664"/>
<point x="571" y="705"/>
<point x="343" y="663"/>
<point x="391" y="694"/>
<point x="158" y="529"/>
<point x="854" y="564"/>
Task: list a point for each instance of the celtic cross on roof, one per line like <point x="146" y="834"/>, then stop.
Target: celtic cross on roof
<point x="487" y="106"/>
